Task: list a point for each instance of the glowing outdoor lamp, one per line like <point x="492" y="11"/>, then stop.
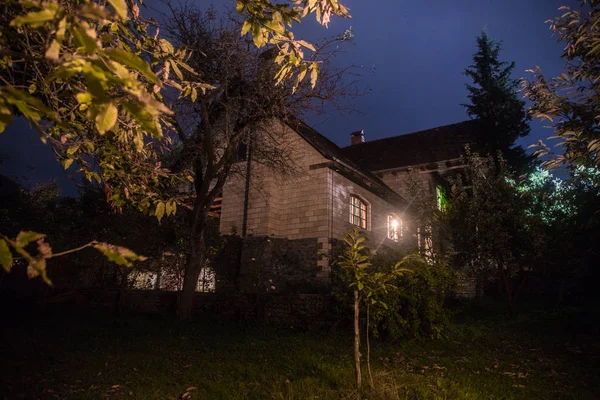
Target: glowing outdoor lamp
<point x="395" y="224"/>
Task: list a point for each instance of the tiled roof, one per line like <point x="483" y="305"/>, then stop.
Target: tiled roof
<point x="423" y="147"/>
<point x="333" y="152"/>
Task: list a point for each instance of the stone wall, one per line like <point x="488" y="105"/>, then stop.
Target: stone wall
<point x="263" y="264"/>
<point x="378" y="211"/>
<point x="291" y="203"/>
<point x="298" y="310"/>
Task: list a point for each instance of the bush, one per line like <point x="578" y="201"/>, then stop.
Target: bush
<point x="416" y="307"/>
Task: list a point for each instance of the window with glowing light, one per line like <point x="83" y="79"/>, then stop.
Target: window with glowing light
<point x="394" y="228"/>
<point x="358" y="212"/>
<point x="442" y="200"/>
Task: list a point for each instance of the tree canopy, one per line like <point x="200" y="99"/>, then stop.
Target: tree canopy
<point x="571" y="101"/>
<point x="495" y="103"/>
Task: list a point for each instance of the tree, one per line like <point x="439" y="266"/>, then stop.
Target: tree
<point x="243" y="110"/>
<point x="571" y="101"/>
<point x="496" y="105"/>
<point x="92" y="76"/>
<point x="492" y="233"/>
<point x="368" y="286"/>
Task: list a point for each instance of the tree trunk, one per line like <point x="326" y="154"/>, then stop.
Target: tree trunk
<point x="357" y="339"/>
<point x="190" y="279"/>
<point x="478" y="288"/>
<point x="507" y="289"/>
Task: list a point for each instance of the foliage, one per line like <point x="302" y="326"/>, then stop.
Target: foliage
<point x="97" y="75"/>
<point x="368" y="285"/>
<point x="571" y="101"/>
<point x="495" y="103"/>
<point x="493" y="235"/>
<point x="88" y="218"/>
<point x="93" y="77"/>
<point x="418" y="308"/>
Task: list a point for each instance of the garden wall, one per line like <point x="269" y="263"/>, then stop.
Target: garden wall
<point x="267" y="264"/>
<point x="297" y="310"/>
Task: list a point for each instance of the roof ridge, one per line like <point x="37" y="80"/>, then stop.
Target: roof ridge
<point x="468" y="121"/>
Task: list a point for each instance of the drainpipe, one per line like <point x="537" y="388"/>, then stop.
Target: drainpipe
<point x="247" y="189"/>
<point x="245" y="217"/>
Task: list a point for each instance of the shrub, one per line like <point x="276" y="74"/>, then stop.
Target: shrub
<point x="420" y="302"/>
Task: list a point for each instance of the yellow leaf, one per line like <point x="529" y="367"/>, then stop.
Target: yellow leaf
<point x="257" y="35"/>
<point x="6" y="258"/>
<point x="246" y="27"/>
<point x="160" y="211"/>
<point x="106" y="117"/>
<point x="120" y="7"/>
<point x="314" y="74"/>
<point x="53" y="51"/>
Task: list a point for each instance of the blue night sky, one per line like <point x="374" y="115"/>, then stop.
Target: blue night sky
<point x="418" y="49"/>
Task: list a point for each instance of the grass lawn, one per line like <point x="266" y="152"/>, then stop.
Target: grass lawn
<point x="135" y="357"/>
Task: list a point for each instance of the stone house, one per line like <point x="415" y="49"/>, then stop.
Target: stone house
<point x="327" y="192"/>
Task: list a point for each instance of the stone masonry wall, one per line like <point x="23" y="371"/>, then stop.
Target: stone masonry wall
<point x="292" y="205"/>
<point x="299" y="310"/>
<point x="263" y="264"/>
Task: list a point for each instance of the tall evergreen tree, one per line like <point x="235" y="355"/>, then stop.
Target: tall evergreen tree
<point x="496" y="104"/>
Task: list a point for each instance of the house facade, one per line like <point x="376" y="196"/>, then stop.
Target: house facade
<point x="327" y="191"/>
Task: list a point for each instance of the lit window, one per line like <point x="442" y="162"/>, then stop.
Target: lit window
<point x="358" y="212"/>
<point x="394" y="228"/>
<point x="442" y="201"/>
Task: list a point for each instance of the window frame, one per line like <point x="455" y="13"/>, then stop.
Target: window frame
<point x="395" y="235"/>
<point x="441" y="197"/>
<point x="358" y="212"/>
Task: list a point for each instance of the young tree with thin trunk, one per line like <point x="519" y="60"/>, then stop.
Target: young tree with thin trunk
<point x="368" y="286"/>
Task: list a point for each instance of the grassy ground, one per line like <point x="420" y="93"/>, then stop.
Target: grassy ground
<point x="102" y="357"/>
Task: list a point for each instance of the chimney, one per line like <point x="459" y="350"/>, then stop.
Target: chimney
<point x="357" y="137"/>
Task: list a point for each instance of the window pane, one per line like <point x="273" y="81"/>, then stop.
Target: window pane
<point x="358" y="212"/>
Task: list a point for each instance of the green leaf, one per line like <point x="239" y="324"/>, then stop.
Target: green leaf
<point x="134" y="62"/>
<point x="160" y="211"/>
<point x="176" y="69"/>
<point x="32" y="88"/>
<point x="6" y="258"/>
<point x="120" y="7"/>
<point x="26" y="237"/>
<point x="84" y="40"/>
<point x="84" y="97"/>
<point x="106" y="117"/>
<point x="118" y="254"/>
<point x="5" y="115"/>
<point x="35" y="19"/>
<point x="239" y="6"/>
<point x="361" y="286"/>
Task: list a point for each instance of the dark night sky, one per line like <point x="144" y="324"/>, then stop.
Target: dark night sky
<point x="419" y="49"/>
